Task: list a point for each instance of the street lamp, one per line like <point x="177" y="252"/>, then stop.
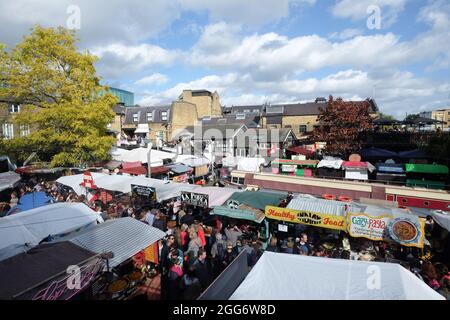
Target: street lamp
<point x="149" y="159"/>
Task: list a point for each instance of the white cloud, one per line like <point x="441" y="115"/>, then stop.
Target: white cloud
<point x="117" y="59"/>
<point x="153" y="79"/>
<point x="396" y="91"/>
<point x="102" y="21"/>
<point x="357" y="10"/>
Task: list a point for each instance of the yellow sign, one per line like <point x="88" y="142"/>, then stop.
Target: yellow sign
<point x="306" y="217"/>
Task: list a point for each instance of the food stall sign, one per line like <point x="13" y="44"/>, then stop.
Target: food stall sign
<point x="195" y="199"/>
<point x="306" y="217"/>
<point x="144" y="191"/>
<point x="361" y="225"/>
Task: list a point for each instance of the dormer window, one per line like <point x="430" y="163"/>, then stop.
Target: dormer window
<point x="164" y="115"/>
<point x="149" y="116"/>
<point x="14" y="108"/>
<point x="240" y="116"/>
<point x="135" y="117"/>
<point x="246" y="110"/>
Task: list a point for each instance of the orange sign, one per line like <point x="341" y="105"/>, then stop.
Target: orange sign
<point x="151" y="253"/>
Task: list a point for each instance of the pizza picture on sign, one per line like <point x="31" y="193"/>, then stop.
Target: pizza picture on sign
<point x="404" y="230"/>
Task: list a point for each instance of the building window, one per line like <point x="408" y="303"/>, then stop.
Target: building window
<point x="149" y="116"/>
<point x="8" y="130"/>
<point x="164" y="115"/>
<point x="14" y="108"/>
<point x="246" y="110"/>
<point x="255" y="110"/>
<point x="24" y="130"/>
<point x="302" y="128"/>
<point x="135" y="117"/>
<point x="240" y="116"/>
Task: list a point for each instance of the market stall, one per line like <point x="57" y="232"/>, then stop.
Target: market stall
<point x="301" y="168"/>
<point x="41" y="273"/>
<point x="432" y="176"/>
<point x="124" y="238"/>
<point x="390" y="172"/>
<point x="20" y="232"/>
<point x="357" y="170"/>
<point x="295" y="277"/>
<point x="247" y="208"/>
<point x="330" y="167"/>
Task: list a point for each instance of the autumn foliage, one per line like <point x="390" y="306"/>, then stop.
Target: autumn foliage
<point x="342" y="125"/>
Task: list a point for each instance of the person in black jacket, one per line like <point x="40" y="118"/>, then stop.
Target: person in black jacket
<point x="202" y="270"/>
<point x="159" y="222"/>
<point x="164" y="263"/>
<point x="190" y="285"/>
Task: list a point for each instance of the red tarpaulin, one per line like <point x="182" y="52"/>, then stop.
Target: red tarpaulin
<point x="301" y="150"/>
<point x="354" y="164"/>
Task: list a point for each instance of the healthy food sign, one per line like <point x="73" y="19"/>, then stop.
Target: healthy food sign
<point x="306" y="217"/>
<point x="364" y="226"/>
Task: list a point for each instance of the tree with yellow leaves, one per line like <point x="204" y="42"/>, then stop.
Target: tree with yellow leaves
<point x="60" y="97"/>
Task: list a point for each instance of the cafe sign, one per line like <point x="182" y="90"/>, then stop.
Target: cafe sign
<point x="408" y="231"/>
<point x="195" y="199"/>
<point x="306" y="217"/>
<point x="288" y="168"/>
<point x="361" y="225"/>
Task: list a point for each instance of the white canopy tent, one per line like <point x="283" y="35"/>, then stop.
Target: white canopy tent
<point x="141" y="154"/>
<point x="30" y="227"/>
<point x="216" y="195"/>
<point x="121" y="183"/>
<point x="281" y="276"/>
<point x="249" y="164"/>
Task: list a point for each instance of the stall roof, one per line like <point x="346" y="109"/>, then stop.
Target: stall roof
<point x="333" y="164"/>
<point x="30" y="201"/>
<point x="31" y="227"/>
<point x="39" y="264"/>
<point x="295" y="277"/>
<point x="195" y="162"/>
<point x="217" y="195"/>
<point x="124" y="237"/>
<point x="377" y="153"/>
<point x="258" y="199"/>
<point x="301" y="150"/>
<point x="179" y="168"/>
<point x="336" y="208"/>
<point x="8" y="180"/>
<point x="141" y="154"/>
<point x="426" y="168"/>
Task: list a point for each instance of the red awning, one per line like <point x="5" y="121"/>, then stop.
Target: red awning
<point x="129" y="165"/>
<point x="354" y="164"/>
<point x="135" y="170"/>
<point x="159" y="170"/>
<point x="301" y="150"/>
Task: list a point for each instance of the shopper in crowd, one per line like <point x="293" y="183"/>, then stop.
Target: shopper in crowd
<point x="202" y="269"/>
<point x="233" y="233"/>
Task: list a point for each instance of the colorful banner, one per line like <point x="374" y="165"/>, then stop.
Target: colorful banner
<point x="306" y="217"/>
<point x="151" y="253"/>
<point x="144" y="191"/>
<point x="408" y="231"/>
<point x="361" y="225"/>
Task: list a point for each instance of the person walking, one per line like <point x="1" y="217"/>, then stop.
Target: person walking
<point x="202" y="269"/>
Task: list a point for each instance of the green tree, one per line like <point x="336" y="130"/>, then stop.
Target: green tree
<point x="60" y="96"/>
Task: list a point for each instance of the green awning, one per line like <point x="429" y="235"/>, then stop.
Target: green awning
<point x="426" y="168"/>
<point x="257" y="199"/>
<point x="425" y="183"/>
<point x="238" y="214"/>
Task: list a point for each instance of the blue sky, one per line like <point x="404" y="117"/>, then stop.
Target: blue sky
<point x="259" y="51"/>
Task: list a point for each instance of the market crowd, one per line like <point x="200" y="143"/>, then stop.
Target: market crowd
<point x="198" y="246"/>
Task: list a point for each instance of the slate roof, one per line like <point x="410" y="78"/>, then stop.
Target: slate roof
<point x="142" y="114"/>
